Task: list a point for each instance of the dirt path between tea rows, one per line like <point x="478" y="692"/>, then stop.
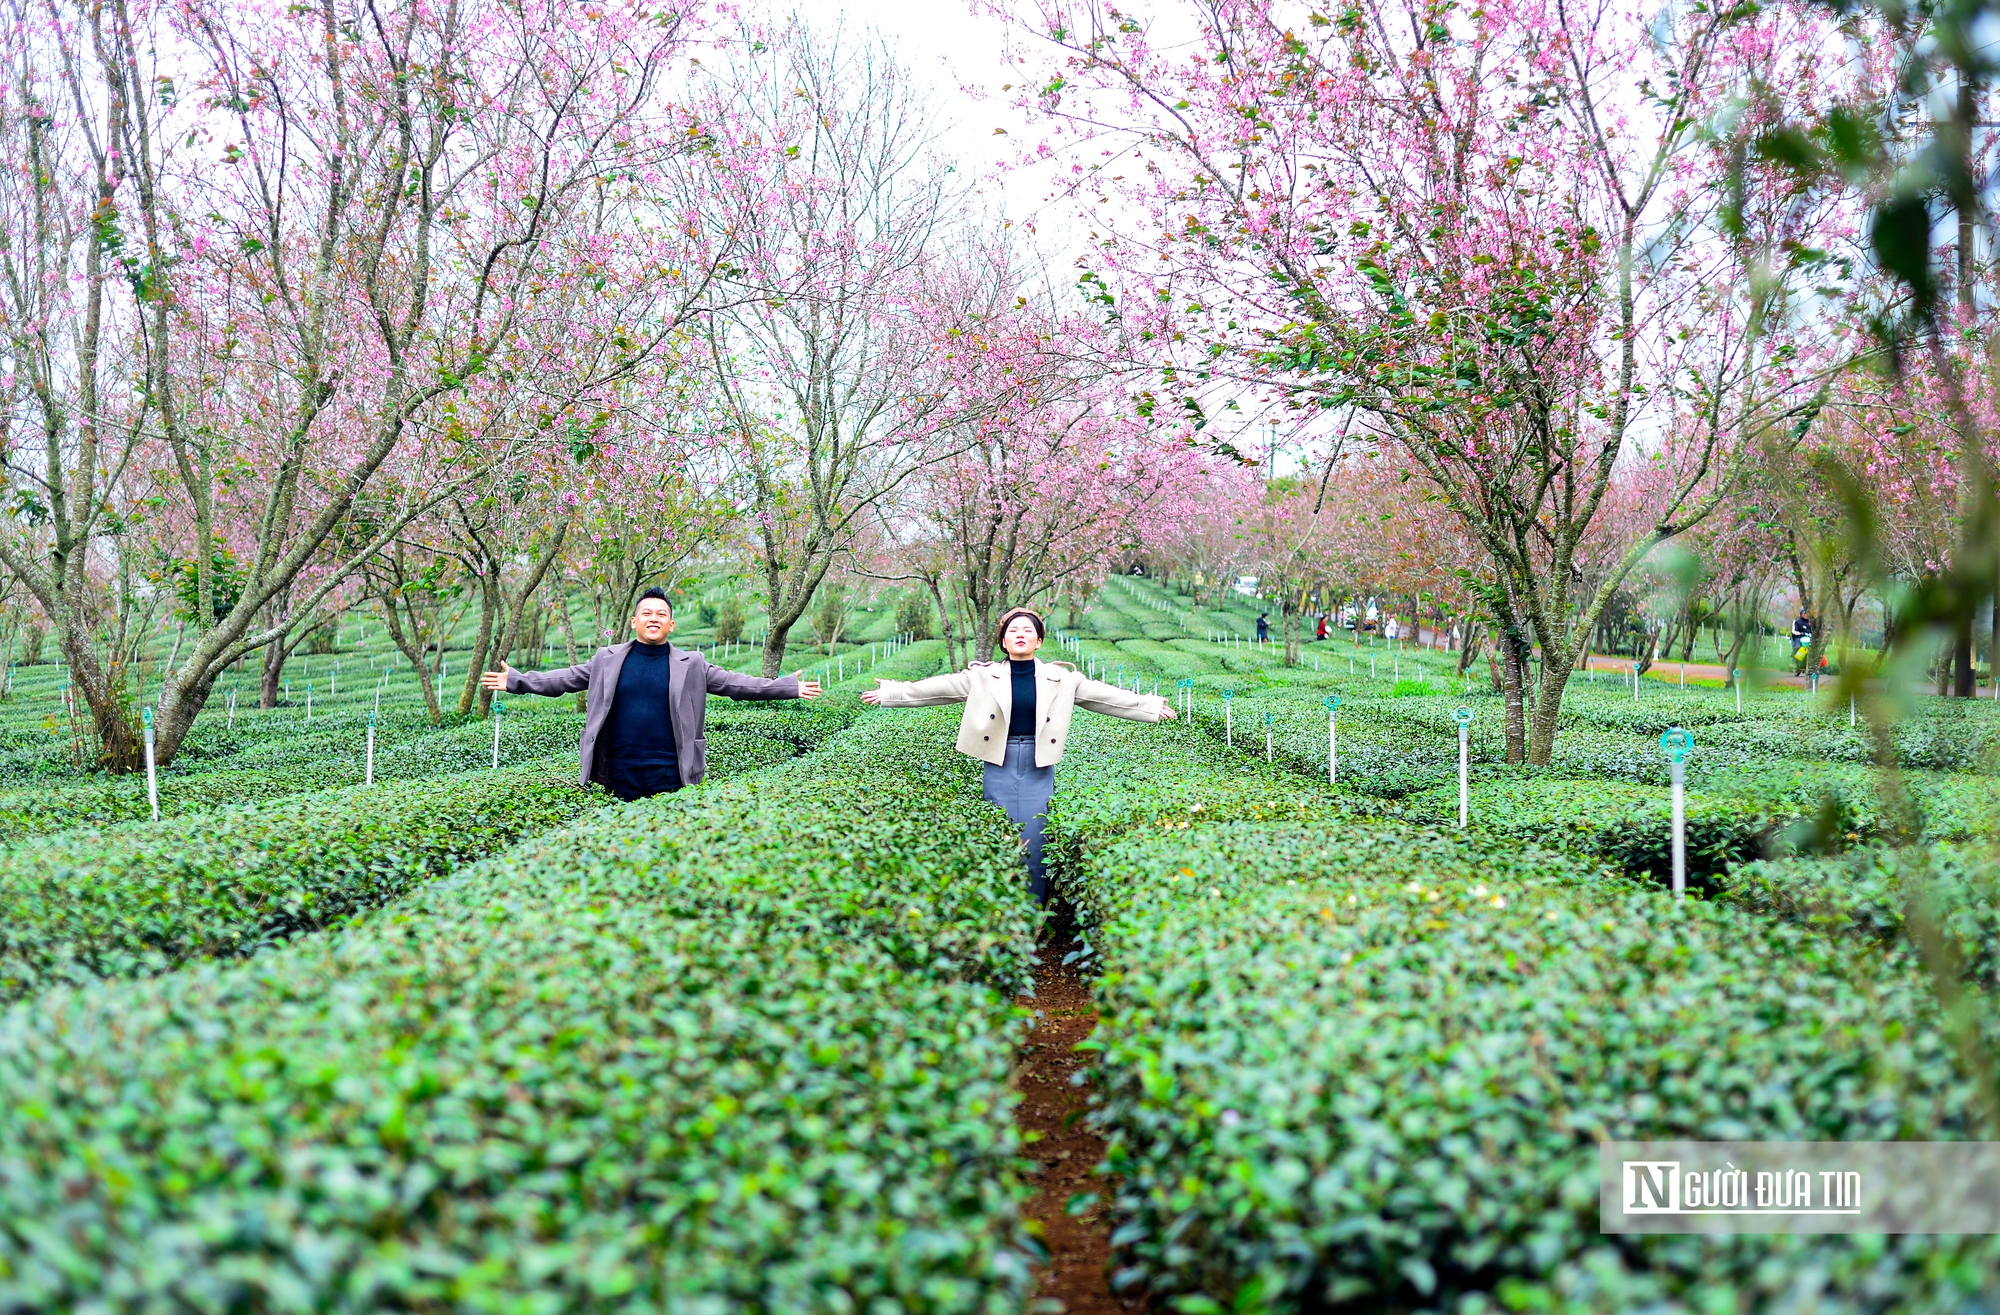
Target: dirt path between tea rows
<point x="1067" y="1151"/>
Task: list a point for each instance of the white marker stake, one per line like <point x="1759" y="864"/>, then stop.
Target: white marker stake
<point x="496" y="733"/>
<point x="368" y="777"/>
<point x="309" y="705"/>
<point x="1228" y="719"/>
<point x="1736" y="679"/>
<point x="1464" y="716"/>
<point x="1332" y="740"/>
<point x="232" y="710"/>
<point x="1850" y="712"/>
<point x="152" y="775"/>
<point x="1678" y="744"/>
<point x="1267" y="737"/>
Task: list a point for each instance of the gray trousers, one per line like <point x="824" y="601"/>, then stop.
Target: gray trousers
<point x="1023" y="789"/>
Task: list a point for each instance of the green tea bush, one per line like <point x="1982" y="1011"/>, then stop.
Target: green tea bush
<point x="142" y="898"/>
<point x="1628" y="825"/>
<point x="746" y="1047"/>
<point x="285" y="761"/>
<point x="1348" y="1062"/>
<point x="1870" y="892"/>
<point x="276" y="761"/>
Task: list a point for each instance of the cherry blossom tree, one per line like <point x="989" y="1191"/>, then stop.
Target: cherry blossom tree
<point x="1049" y="468"/>
<point x="77" y="289"/>
<point x="1486" y="239"/>
<point x="337" y="229"/>
<point x="832" y="185"/>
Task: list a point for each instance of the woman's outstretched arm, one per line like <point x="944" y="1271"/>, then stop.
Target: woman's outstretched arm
<point x="1097" y="696"/>
<point x="930" y="692"/>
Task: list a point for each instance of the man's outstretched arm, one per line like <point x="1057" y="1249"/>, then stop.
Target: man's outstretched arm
<point x="730" y="684"/>
<point x="567" y="680"/>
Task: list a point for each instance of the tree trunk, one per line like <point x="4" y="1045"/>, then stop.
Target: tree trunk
<point x="1471" y="639"/>
<point x="569" y="636"/>
<point x="119" y="748"/>
<point x="272" y="675"/>
<point x="517" y="609"/>
<point x="944" y="625"/>
<point x="411" y="646"/>
<point x="489" y="608"/>
<point x="1512" y="676"/>
<point x="1963" y="684"/>
<point x="1547" y="716"/>
<point x="1993" y="645"/>
<point x="786" y="607"/>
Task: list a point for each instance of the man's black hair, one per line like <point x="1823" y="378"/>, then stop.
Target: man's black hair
<point x="653" y="591"/>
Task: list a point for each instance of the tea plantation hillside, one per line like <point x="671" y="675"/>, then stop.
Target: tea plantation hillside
<point x="442" y="1035"/>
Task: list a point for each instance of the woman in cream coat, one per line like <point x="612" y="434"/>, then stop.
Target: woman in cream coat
<point x="1017" y="721"/>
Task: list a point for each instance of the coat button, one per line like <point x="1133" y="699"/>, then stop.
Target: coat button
<point x="986" y="737"/>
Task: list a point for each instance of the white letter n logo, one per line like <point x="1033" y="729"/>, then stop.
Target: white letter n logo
<point x="1652" y="1187"/>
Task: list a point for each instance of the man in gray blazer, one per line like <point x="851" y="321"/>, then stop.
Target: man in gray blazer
<point x="645" y="716"/>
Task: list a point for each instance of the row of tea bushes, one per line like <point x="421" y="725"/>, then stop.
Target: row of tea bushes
<point x="140" y="898"/>
<point x="745" y="1047"/>
<point x="1629" y="826"/>
<point x="1605" y="732"/>
<point x="1733" y="819"/>
<point x="137" y="898"/>
<point x="1347" y="1061"/>
<point x="273" y="766"/>
<point x="273" y="758"/>
<point x="1607" y="793"/>
<point x="1871" y="892"/>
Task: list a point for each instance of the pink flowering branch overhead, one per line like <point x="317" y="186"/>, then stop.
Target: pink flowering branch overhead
<point x="1488" y="239"/>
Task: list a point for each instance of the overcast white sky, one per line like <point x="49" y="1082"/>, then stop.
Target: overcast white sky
<point x="949" y="48"/>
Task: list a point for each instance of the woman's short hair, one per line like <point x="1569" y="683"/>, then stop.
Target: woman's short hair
<point x="1007" y="619"/>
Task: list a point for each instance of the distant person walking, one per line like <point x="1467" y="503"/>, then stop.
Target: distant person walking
<point x="1017" y="720"/>
<point x="1320" y="633"/>
<point x="645" y="720"/>
<point x="1263" y="626"/>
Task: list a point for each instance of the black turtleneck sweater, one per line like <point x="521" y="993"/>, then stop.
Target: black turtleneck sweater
<point x="637" y="743"/>
<point x="1022" y="720"/>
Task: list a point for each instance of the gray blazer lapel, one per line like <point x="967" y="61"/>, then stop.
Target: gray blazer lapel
<point x="685" y="697"/>
<point x="614" y="662"/>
